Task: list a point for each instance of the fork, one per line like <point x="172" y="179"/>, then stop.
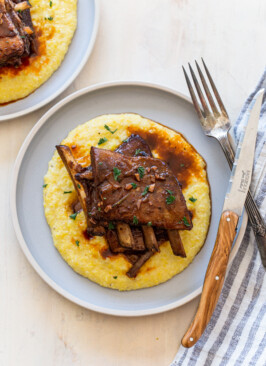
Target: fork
<point x="216" y="123"/>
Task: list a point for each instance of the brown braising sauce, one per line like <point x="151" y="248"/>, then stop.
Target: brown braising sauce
<point x="106" y="253"/>
<point x="87" y="236"/>
<point x="181" y="161"/>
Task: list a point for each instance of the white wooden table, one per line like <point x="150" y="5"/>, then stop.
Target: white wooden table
<point x="137" y="40"/>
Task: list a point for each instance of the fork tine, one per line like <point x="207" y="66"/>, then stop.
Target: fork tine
<point x="202" y="99"/>
<point x="193" y="96"/>
<point x="219" y="100"/>
<point x="207" y="91"/>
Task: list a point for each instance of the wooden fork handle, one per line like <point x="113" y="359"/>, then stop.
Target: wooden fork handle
<point x="214" y="278"/>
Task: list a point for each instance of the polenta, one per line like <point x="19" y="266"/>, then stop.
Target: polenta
<point x="84" y="254"/>
<point x="54" y="24"/>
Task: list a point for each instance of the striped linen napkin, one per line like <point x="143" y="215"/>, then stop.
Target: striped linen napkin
<point x="236" y="334"/>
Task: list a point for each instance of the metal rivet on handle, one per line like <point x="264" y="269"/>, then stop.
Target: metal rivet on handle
<point x="191" y="339"/>
<point x="228" y="219"/>
<point x="217" y="278"/>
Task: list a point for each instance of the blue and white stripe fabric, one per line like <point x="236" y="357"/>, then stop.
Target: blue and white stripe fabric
<point x="236" y="334"/>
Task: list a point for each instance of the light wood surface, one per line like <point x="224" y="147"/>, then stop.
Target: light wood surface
<point x="214" y="278"/>
<point x="138" y="40"/>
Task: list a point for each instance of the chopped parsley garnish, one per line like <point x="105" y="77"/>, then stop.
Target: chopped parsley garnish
<point x="134" y="185"/>
<point x="141" y="171"/>
<point x="73" y="216"/>
<point x="137" y="152"/>
<point x="45" y="185"/>
<point x="77" y="243"/>
<point x="185" y="221"/>
<point x="65" y="192"/>
<point x="49" y="18"/>
<point x="20" y="11"/>
<point x="100" y="163"/>
<point x="192" y="199"/>
<point x="146" y="190"/>
<point x="104" y="198"/>
<point x="111" y="226"/>
<point x="109" y="129"/>
<point x="135" y="220"/>
<point x="51" y="4"/>
<point x="149" y="223"/>
<point x="22" y="36"/>
<point x="117" y="173"/>
<point x="170" y="199"/>
<point x="182" y="165"/>
<point x="78" y="186"/>
<point x="99" y="209"/>
<point x="115" y="277"/>
<point x="102" y="140"/>
<point x="125" y="140"/>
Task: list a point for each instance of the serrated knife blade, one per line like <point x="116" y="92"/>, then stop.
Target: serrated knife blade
<point x="233" y="206"/>
<point x="242" y="169"/>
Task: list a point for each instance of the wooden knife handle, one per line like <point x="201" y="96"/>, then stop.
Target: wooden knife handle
<point x="214" y="278"/>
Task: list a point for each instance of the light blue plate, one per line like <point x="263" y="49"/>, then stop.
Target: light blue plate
<point x="76" y="57"/>
<point x="157" y="103"/>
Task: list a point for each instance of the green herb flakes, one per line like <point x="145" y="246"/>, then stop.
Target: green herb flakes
<point x="182" y="165"/>
<point x="137" y="152"/>
<point x="134" y="185"/>
<point x="100" y="163"/>
<point x="65" y="192"/>
<point x="45" y="185"/>
<point x="146" y="190"/>
<point x="135" y="220"/>
<point x="77" y="243"/>
<point x="51" y="4"/>
<point x="170" y="199"/>
<point x="99" y="209"/>
<point x="78" y="186"/>
<point x="141" y="171"/>
<point x="109" y="129"/>
<point x="192" y="199"/>
<point x="149" y="223"/>
<point x="117" y="173"/>
<point x="102" y="140"/>
<point x="111" y="226"/>
<point x="73" y="216"/>
<point x="115" y="277"/>
<point x="185" y="221"/>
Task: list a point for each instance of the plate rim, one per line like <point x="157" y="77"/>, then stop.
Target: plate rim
<point x="68" y="82"/>
<point x="16" y="225"/>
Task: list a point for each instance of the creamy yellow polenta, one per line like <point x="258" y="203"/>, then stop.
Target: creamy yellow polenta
<point x="54" y="23"/>
<point x="84" y="255"/>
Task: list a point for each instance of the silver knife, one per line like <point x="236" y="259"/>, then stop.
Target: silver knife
<point x="233" y="207"/>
